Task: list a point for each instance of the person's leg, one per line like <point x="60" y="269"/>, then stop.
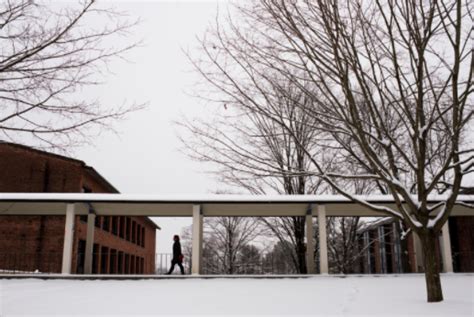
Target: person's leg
<point x="180" y="264"/>
<point x="173" y="263"/>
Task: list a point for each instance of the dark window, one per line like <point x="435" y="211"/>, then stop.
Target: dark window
<point x="142" y="265"/>
<point x="132" y="264"/>
<point x="115" y="225"/>
<point x="106" y="223"/>
<point x="143" y="237"/>
<point x="127" y="233"/>
<point x="104" y="260"/>
<point x="137" y="265"/>
<point x="389" y="247"/>
<point x="139" y="234"/>
<point x="120" y="263"/>
<point x="122" y="227"/>
<point x="127" y="263"/>
<point x="372" y="239"/>
<point x="81" y="251"/>
<point x="97" y="221"/>
<point x="95" y="259"/>
<point x="113" y="262"/>
<point x="134" y="231"/>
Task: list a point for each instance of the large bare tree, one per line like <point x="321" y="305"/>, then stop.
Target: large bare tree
<point x="390" y="82"/>
<point x="50" y="52"/>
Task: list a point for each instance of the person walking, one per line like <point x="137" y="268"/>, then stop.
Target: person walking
<point x="177" y="256"/>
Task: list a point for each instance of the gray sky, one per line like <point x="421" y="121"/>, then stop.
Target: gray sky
<point x="144" y="157"/>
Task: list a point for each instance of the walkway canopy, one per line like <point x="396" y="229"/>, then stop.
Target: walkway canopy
<point x="199" y="206"/>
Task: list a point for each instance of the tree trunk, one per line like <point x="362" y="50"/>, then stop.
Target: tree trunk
<point x="431" y="264"/>
<point x="300" y="247"/>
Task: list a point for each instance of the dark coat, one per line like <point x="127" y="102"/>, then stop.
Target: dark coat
<point x="177" y="251"/>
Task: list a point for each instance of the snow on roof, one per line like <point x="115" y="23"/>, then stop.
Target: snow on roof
<point x="204" y="198"/>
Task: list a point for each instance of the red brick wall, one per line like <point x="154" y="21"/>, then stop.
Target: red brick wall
<point x="30" y="171"/>
<point x="30" y="243"/>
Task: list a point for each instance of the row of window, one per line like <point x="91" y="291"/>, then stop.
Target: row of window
<point x="123" y="227"/>
<point x="110" y="261"/>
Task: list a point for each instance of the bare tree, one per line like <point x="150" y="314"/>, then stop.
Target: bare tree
<point x="390" y="82"/>
<point x="227" y="237"/>
<point x="49" y="54"/>
<point x="393" y="82"/>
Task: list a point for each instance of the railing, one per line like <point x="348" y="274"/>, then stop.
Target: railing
<point x="160" y="263"/>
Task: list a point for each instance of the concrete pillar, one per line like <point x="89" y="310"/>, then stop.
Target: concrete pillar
<point x="323" y="246"/>
<point x="418" y="253"/>
<point x="89" y="243"/>
<point x="68" y="239"/>
<point x="197" y="240"/>
<point x="310" y="265"/>
<point x="446" y="249"/>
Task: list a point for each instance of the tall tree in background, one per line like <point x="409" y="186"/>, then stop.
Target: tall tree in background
<point x="390" y="83"/>
<point x="49" y="53"/>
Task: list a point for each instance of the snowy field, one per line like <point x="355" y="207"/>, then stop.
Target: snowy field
<point x="319" y="295"/>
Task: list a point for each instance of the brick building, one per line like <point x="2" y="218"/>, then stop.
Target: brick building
<point x="384" y="251"/>
<point x="122" y="245"/>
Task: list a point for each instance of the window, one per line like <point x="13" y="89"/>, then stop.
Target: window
<point x="98" y="220"/>
<point x="134" y="231"/>
<point x="115" y="225"/>
<point x="81" y="251"/>
<point x="127" y="263"/>
<point x="137" y="265"/>
<point x="132" y="265"/>
<point x="104" y="260"/>
<point x="106" y="223"/>
<point x="95" y="259"/>
<point x="113" y="262"/>
<point x="143" y="237"/>
<point x="122" y="227"/>
<point x="139" y="234"/>
<point x="120" y="263"/>
<point x="127" y="233"/>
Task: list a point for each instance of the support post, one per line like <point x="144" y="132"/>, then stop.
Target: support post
<point x="310" y="265"/>
<point x="68" y="239"/>
<point x="323" y="247"/>
<point x="446" y="249"/>
<point x="197" y="240"/>
<point x="89" y="243"/>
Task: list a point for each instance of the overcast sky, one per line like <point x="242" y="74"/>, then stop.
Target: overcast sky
<point x="144" y="157"/>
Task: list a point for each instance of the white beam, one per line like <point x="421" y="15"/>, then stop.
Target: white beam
<point x="446" y="249"/>
<point x="68" y="239"/>
<point x="310" y="265"/>
<point x="197" y="240"/>
<point x="89" y="243"/>
<point x="323" y="246"/>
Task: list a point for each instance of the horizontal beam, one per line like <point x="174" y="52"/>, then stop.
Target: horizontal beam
<point x="239" y="208"/>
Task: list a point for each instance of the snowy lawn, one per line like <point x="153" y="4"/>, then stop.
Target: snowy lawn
<point x="319" y="295"/>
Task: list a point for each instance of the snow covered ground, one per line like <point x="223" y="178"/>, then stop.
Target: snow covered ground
<point x="320" y="295"/>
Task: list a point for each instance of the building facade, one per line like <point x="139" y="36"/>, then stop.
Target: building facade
<point x="384" y="248"/>
<point x="122" y="245"/>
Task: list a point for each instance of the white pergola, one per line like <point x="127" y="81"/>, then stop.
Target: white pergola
<point x="199" y="206"/>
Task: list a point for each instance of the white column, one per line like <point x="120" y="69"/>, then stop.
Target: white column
<point x="418" y="253"/>
<point x="323" y="246"/>
<point x="197" y="240"/>
<point x="310" y="242"/>
<point x="446" y="249"/>
<point x="68" y="239"/>
<point x="89" y="243"/>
